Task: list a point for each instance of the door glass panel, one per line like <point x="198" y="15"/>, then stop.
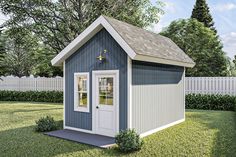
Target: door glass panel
<point x="106" y="91"/>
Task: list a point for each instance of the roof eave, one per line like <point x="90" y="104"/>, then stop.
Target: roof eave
<point x="163" y="61"/>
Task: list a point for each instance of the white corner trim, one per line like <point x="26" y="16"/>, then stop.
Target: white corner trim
<point x="87" y="34"/>
<point x="162" y="61"/>
<point x="184" y="90"/>
<point x="161" y="128"/>
<point x="64" y="93"/>
<point x="129" y="88"/>
<point x="77" y="129"/>
<point x="76" y="102"/>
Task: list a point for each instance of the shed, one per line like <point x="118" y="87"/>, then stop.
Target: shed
<point x="118" y="76"/>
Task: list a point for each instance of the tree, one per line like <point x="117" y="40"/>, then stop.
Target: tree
<point x="234" y="61"/>
<point x="233" y="67"/>
<point x="2" y="51"/>
<point x="201" y="44"/>
<point x="19" y="49"/>
<point x="43" y="66"/>
<point x="57" y="23"/>
<point x="201" y="12"/>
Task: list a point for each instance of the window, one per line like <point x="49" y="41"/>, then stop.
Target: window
<point x="106" y="91"/>
<point x="81" y="92"/>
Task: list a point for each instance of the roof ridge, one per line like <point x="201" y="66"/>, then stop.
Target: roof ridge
<point x="107" y="17"/>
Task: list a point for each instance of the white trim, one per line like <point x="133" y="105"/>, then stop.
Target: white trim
<point x="184" y="90"/>
<point x="161" y="128"/>
<point x="77" y="129"/>
<point x="104" y="72"/>
<point x="129" y="85"/>
<point x="162" y="61"/>
<point x="76" y="108"/>
<point x="87" y="34"/>
<point x="64" y="93"/>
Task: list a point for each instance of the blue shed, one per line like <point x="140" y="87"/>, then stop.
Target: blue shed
<point x="118" y="76"/>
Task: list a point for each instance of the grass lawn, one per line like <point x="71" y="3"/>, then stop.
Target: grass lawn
<point x="204" y="133"/>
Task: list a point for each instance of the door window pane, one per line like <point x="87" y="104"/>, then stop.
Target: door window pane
<point x="106" y="91"/>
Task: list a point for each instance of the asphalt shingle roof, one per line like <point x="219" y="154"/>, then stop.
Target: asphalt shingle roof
<point x="147" y="43"/>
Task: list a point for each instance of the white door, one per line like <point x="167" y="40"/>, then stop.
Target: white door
<point x="106" y="102"/>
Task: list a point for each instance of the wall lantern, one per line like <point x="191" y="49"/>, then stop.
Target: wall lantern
<point x="102" y="56"/>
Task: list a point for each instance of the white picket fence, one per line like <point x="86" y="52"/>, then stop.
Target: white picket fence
<point x="204" y="85"/>
<point x="210" y="85"/>
<point x="31" y="83"/>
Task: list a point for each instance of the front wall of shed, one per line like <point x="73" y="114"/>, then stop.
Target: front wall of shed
<point x="157" y="95"/>
<point x="84" y="60"/>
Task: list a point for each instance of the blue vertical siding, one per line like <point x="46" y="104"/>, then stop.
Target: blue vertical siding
<point x="84" y="60"/>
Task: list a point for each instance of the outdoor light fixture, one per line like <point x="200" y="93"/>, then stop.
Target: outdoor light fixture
<point x="101" y="57"/>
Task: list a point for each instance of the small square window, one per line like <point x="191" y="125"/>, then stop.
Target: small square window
<point x="81" y="92"/>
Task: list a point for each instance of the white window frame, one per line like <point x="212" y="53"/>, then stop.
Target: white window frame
<point x="76" y="108"/>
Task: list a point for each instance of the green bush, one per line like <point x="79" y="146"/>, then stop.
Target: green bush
<point x="211" y="102"/>
<point x="35" y="96"/>
<point x="46" y="124"/>
<point x="128" y="140"/>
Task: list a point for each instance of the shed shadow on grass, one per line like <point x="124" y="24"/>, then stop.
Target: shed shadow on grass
<point x="225" y="138"/>
<point x="25" y="141"/>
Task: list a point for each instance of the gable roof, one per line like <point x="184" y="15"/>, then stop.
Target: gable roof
<point x="138" y="43"/>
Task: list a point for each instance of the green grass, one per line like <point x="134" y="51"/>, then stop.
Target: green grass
<point x="204" y="133"/>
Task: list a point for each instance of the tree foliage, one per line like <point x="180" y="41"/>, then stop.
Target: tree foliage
<point x="201" y="44"/>
<point x="201" y="12"/>
<point x="234" y="61"/>
<point x="2" y="52"/>
<point x="57" y="23"/>
<point x="233" y="67"/>
<point x="19" y="49"/>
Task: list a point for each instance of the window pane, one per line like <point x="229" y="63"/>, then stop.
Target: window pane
<point x="106" y="91"/>
<point x="81" y="91"/>
<point x="82" y="99"/>
<point x="82" y="83"/>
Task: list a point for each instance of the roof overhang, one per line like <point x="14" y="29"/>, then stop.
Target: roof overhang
<point x="94" y="28"/>
<point x="162" y="61"/>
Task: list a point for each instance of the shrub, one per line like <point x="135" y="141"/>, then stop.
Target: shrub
<point x="46" y="124"/>
<point x="128" y="140"/>
<point x="36" y="96"/>
<point x="211" y="102"/>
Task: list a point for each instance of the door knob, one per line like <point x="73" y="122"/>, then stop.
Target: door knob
<point x="97" y="107"/>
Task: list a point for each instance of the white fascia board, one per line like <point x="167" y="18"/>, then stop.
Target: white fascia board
<point x="162" y="61"/>
<point x="87" y="34"/>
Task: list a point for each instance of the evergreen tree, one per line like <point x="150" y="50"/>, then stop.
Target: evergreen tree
<point x="202" y="45"/>
<point x="201" y="12"/>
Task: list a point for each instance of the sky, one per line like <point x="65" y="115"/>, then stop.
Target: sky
<point x="223" y="12"/>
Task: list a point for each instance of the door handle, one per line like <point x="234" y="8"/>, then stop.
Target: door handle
<point x="97" y="107"/>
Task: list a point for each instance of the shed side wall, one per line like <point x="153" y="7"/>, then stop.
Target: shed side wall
<point x="84" y="60"/>
<point x="157" y="95"/>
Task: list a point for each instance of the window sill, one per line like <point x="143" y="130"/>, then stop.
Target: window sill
<point x="81" y="110"/>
